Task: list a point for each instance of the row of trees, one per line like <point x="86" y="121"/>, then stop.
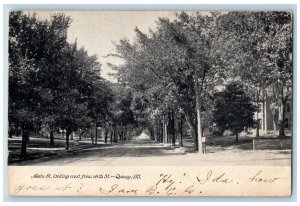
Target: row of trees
<point x="182" y="65"/>
<point x="194" y="70"/>
<point x="53" y="84"/>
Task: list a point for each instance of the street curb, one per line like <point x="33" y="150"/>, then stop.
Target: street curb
<point x="68" y="152"/>
<point x="19" y="163"/>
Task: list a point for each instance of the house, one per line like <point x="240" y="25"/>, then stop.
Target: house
<point x="267" y="116"/>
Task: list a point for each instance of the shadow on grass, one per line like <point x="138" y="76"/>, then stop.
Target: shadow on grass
<point x="246" y="143"/>
<point x="215" y="144"/>
<point x="144" y="148"/>
<point x="40" y="150"/>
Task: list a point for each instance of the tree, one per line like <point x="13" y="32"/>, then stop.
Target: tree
<point x="233" y="109"/>
<point x="51" y="81"/>
<point x="264" y="42"/>
<point x="99" y="105"/>
<point x="55" y="44"/>
<point x="79" y="76"/>
<point x="280" y="58"/>
<point x="124" y="115"/>
<point x="180" y="61"/>
<point x="32" y="43"/>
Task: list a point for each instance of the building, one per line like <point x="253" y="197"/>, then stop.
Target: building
<point x="267" y="116"/>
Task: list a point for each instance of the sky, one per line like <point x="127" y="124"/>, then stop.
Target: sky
<point x="97" y="30"/>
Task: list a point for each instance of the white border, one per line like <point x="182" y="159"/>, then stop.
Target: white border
<point x="178" y="201"/>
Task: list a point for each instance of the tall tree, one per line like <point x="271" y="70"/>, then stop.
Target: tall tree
<point x="55" y="44"/>
<point x="31" y="42"/>
<point x="264" y="42"/>
<point x="99" y="105"/>
<point x="78" y="78"/>
<point x="52" y="82"/>
<point x="233" y="109"/>
<point x="181" y="60"/>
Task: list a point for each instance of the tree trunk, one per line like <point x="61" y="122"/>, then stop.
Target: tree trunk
<point x="19" y="131"/>
<point x="157" y="131"/>
<point x="198" y="138"/>
<point x="25" y="136"/>
<point x="172" y="127"/>
<point x="23" y="147"/>
<point x="125" y="134"/>
<point x="121" y="135"/>
<point x="129" y="134"/>
<point x="115" y="135"/>
<point x="165" y="131"/>
<point x="96" y="133"/>
<point x="181" y="129"/>
<point x="10" y="132"/>
<point x="264" y="125"/>
<point x="181" y="132"/>
<point x="173" y="139"/>
<point x="111" y="136"/>
<point x="51" y="137"/>
<point x="92" y="137"/>
<point x="258" y="123"/>
<point x="275" y="121"/>
<point x="193" y="129"/>
<point x="281" y="121"/>
<point x="168" y="128"/>
<point x="160" y="132"/>
<point x="181" y="139"/>
<point x="105" y="136"/>
<point x="151" y="133"/>
<point x="67" y="139"/>
<point x="236" y="136"/>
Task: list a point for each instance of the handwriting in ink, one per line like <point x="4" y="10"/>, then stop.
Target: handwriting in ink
<point x="257" y="178"/>
<point x="210" y="177"/>
<point x="116" y="189"/>
<point x="166" y="183"/>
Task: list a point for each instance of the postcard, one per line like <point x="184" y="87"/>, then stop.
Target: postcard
<point x="150" y="103"/>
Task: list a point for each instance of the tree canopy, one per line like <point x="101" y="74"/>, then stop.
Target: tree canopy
<point x="51" y="81"/>
<point x="183" y="71"/>
<point x="234" y="110"/>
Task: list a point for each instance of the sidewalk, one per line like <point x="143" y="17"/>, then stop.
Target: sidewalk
<point x="268" y="150"/>
<point x="39" y="148"/>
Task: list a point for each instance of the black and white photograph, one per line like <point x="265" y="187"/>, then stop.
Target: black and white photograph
<point x="151" y="88"/>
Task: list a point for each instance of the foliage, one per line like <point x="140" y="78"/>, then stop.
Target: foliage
<point x="233" y="109"/>
<point x="52" y="82"/>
